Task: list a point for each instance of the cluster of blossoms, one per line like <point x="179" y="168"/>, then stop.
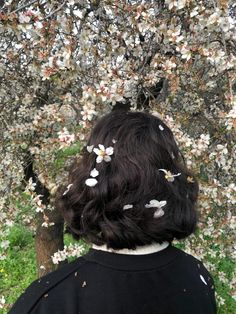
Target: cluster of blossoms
<point x="37" y="203"/>
<point x="73" y="250"/>
<point x="6" y="222"/>
<point x="155" y="203"/>
<point x="65" y="137"/>
<point x="102" y="154"/>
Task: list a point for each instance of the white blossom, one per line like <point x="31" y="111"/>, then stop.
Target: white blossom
<point x="103" y="153"/>
<point x="127" y="206"/>
<point x="73" y="250"/>
<point x="90" y="148"/>
<point x="65" y="137"/>
<point x="178" y="4"/>
<point x="158" y="213"/>
<point x="2" y="301"/>
<point x="156" y="203"/>
<point x="47" y="224"/>
<point x="91" y="182"/>
<point x="68" y="188"/>
<point x="94" y="173"/>
<point x="168" y="175"/>
<point x="5" y="244"/>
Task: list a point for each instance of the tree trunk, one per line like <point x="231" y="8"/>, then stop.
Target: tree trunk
<point x="48" y="240"/>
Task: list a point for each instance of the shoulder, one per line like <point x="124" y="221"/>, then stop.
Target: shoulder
<point x="41" y="287"/>
<point x="194" y="265"/>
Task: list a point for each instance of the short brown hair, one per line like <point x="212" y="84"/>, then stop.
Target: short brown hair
<point x="144" y="144"/>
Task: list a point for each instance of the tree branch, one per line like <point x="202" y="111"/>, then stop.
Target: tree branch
<point x="53" y="12"/>
<point x="24" y="6"/>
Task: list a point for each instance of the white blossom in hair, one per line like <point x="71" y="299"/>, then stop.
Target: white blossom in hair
<point x="91" y="182"/>
<point x="90" y="148"/>
<point x="159" y="213"/>
<point x="161" y="127"/>
<point x="158" y="204"/>
<point x="103" y="153"/>
<point x="67" y="189"/>
<point x="128" y="206"/>
<point x="94" y="173"/>
<point x="190" y="179"/>
<point x="168" y="175"/>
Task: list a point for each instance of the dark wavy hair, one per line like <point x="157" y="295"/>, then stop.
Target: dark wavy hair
<point x="144" y="144"/>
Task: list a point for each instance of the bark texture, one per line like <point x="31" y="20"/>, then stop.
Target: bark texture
<point x="48" y="240"/>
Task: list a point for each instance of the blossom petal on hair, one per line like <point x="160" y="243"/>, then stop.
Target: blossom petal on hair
<point x="156" y="203"/>
<point x="114" y="141"/>
<point x="109" y="150"/>
<point x="97" y="151"/>
<point x="168" y="175"/>
<point x="94" y="173"/>
<point x="159" y="213"/>
<point x="107" y="158"/>
<point x="67" y="189"/>
<point x="190" y="180"/>
<point x="90" y="148"/>
<point x="128" y="206"/>
<point x="91" y="182"/>
<point x="101" y="147"/>
<point x="162" y="203"/>
<point x="177" y="174"/>
<point x="161" y="127"/>
<point x="103" y="154"/>
<point x="99" y="159"/>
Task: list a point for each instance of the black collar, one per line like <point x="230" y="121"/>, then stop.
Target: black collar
<point x="133" y="262"/>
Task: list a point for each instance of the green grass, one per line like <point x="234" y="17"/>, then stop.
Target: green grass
<point x="18" y="270"/>
<point x="63" y="154"/>
<point x="227" y="266"/>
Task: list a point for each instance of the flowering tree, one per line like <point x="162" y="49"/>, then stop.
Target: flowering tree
<point x="63" y="63"/>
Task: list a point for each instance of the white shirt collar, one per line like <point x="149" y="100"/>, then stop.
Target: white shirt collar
<point x="140" y="250"/>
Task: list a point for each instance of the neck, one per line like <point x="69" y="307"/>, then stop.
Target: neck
<point x="140" y="250"/>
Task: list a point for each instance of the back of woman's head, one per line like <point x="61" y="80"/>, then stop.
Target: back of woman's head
<point x="142" y="192"/>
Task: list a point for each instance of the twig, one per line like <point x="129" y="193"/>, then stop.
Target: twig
<point x="52" y="13"/>
<point x="24" y="6"/>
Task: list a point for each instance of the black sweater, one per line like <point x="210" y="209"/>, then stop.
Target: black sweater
<point x="166" y="282"/>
